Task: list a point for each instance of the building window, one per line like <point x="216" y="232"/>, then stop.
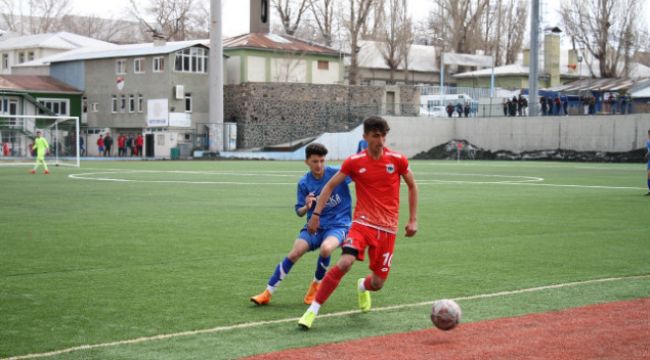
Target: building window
<point x="122" y="103"/>
<point x="56" y="106"/>
<point x="140" y="103"/>
<point x="193" y="60"/>
<point x="30" y="56"/>
<point x="138" y="65"/>
<point x="21" y="57"/>
<point x="131" y="103"/>
<point x="84" y="104"/>
<point x="120" y="66"/>
<point x="323" y="65"/>
<point x="94" y="107"/>
<point x="114" y="104"/>
<point x="188" y="102"/>
<point x="5" y="61"/>
<point x="158" y="64"/>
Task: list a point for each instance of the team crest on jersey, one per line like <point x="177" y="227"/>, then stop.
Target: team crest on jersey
<point x="390" y="168"/>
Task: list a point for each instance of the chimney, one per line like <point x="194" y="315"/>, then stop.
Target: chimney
<point x="573" y="61"/>
<point x="552" y="58"/>
<point x="260" y="17"/>
<point x="526" y="59"/>
<point x="158" y="40"/>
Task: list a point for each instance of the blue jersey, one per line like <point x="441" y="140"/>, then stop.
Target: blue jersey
<point x="647" y="145"/>
<point x="337" y="210"/>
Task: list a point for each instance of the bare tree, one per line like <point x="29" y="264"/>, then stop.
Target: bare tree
<point x="459" y="23"/>
<point x="285" y="9"/>
<point x="605" y="29"/>
<point x="515" y="29"/>
<point x="33" y="16"/>
<point x="396" y="35"/>
<point x="356" y="18"/>
<point x="323" y="11"/>
<point x="94" y="27"/>
<point x="172" y="19"/>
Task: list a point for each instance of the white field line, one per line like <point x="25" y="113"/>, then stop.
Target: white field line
<point x="434" y="182"/>
<point x="336" y="314"/>
<point x="524" y="180"/>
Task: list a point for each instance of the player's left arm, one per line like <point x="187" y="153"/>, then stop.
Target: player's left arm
<point x="412" y="226"/>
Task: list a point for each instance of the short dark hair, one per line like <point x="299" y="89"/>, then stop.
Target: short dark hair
<point x="315" y="149"/>
<point x="375" y="123"/>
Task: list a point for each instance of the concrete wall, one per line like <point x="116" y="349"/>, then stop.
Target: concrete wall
<point x="580" y="133"/>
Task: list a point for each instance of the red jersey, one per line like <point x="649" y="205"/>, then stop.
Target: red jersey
<point x="376" y="183"/>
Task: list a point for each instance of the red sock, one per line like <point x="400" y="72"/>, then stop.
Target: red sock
<point x="329" y="284"/>
<point x="368" y="284"/>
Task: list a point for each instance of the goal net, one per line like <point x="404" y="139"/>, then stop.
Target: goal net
<point x="17" y="134"/>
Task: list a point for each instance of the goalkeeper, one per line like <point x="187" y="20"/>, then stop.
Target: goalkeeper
<point x="41" y="146"/>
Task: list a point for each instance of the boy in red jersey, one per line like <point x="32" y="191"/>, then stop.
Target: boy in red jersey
<point x="376" y="173"/>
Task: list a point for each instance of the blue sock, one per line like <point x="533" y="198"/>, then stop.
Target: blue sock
<point x="648" y="184"/>
<point x="280" y="272"/>
<point x="321" y="267"/>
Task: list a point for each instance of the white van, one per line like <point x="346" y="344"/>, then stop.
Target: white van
<point x="434" y="105"/>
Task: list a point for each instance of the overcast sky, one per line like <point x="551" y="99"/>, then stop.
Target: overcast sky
<point x="236" y="11"/>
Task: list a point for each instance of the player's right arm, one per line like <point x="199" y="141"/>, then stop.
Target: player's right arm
<point x="325" y="193"/>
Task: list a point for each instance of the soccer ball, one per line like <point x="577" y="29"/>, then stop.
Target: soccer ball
<point x="445" y="314"/>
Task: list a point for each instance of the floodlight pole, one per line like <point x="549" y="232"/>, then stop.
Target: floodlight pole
<point x="533" y="101"/>
<point x="215" y="78"/>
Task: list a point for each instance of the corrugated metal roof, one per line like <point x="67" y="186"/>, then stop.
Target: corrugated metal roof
<point x="115" y="51"/>
<point x="421" y="57"/>
<point x="599" y="85"/>
<point x="276" y="42"/>
<point x="61" y="40"/>
<point x="35" y="83"/>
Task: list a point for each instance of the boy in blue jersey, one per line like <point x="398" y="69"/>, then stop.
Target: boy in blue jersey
<point x="335" y="220"/>
<point x="647" y="157"/>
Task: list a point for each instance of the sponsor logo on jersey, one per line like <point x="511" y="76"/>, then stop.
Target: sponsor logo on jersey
<point x="362" y="170"/>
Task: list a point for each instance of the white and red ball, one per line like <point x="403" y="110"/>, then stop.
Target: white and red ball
<point x="446" y="314"/>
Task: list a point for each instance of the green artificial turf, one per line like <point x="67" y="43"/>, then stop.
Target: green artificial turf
<point x="136" y="249"/>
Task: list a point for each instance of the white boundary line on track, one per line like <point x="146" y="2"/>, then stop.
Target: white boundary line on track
<point x="336" y="314"/>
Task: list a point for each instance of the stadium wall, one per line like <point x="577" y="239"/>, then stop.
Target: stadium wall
<point x="412" y="135"/>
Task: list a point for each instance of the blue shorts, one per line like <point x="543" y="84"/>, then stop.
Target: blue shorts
<point x="316" y="240"/>
<point x="648" y="165"/>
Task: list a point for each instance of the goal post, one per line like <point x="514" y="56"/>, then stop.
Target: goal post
<point x="17" y="134"/>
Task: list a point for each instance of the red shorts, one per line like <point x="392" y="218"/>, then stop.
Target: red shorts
<point x="380" y="246"/>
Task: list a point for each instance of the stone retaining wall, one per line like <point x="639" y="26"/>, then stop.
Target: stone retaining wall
<point x="271" y="114"/>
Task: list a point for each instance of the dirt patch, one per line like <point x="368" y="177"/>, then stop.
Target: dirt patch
<point x="619" y="330"/>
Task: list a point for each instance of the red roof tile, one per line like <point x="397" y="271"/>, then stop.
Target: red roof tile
<point x="276" y="42"/>
<point x="34" y="83"/>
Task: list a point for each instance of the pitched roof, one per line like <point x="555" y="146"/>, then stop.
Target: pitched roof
<point x="276" y="42"/>
<point x="61" y="40"/>
<point x="34" y="83"/>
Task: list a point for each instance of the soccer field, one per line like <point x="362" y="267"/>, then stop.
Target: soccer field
<point x="158" y="259"/>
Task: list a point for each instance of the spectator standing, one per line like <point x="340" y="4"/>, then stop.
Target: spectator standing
<point x="82" y="146"/>
<point x="466" y="109"/>
<point x="5" y="149"/>
<point x="459" y="109"/>
<point x="139" y="142"/>
<point x="121" y="145"/>
<point x="130" y="144"/>
<point x="450" y="110"/>
<point x="108" y="143"/>
<point x="100" y="145"/>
